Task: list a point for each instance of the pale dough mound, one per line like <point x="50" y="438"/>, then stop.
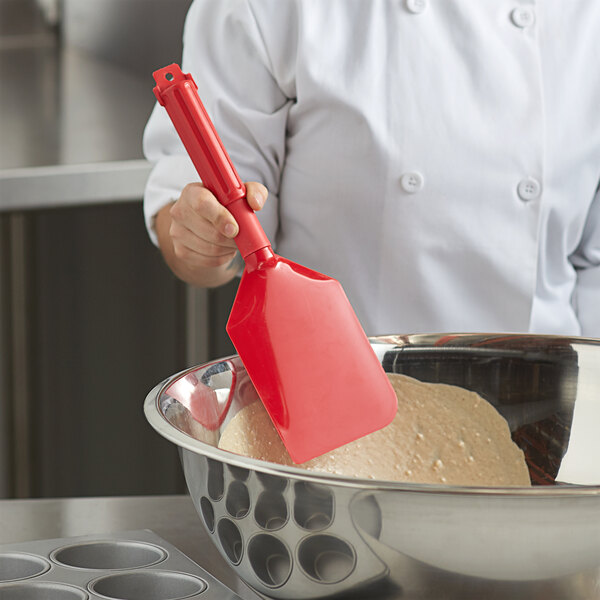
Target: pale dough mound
<point x="441" y="434"/>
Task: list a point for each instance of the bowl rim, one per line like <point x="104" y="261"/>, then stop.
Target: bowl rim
<point x="160" y="423"/>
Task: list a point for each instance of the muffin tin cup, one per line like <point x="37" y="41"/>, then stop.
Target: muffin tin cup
<point x="15" y="566"/>
<point x="136" y="565"/>
<point x="42" y="591"/>
<point x="147" y="585"/>
<point x="103" y="555"/>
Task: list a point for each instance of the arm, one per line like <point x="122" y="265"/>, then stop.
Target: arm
<point x="586" y="260"/>
<point x="224" y="51"/>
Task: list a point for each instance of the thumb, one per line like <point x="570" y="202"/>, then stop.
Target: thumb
<point x="256" y="195"/>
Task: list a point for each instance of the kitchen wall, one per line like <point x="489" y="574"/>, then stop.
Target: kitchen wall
<point x="90" y="317"/>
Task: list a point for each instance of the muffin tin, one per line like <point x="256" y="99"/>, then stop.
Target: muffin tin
<point x="132" y="565"/>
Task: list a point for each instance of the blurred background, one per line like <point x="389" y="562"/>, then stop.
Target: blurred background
<point x="90" y="317"/>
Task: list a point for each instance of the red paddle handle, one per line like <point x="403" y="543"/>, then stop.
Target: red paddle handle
<point x="178" y="93"/>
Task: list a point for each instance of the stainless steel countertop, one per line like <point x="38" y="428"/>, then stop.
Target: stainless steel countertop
<point x="71" y="126"/>
<point x="171" y="517"/>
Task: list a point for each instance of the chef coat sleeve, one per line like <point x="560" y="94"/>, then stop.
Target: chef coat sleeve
<point x="586" y="260"/>
<point x="225" y="51"/>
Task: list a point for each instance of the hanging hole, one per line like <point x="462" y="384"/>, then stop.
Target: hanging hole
<point x="169" y="77"/>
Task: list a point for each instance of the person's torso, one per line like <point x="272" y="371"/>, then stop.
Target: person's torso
<point x="448" y="150"/>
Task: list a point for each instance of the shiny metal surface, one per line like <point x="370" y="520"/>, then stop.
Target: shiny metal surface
<point x="72" y="128"/>
<point x="171" y="517"/>
<point x="125" y="564"/>
<point x="141" y="35"/>
<point x="72" y="185"/>
<point x="293" y="534"/>
<point x="71" y="123"/>
<point x="61" y="106"/>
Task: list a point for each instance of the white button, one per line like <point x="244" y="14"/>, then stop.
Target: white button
<point x="416" y="6"/>
<point x="523" y="16"/>
<point x="529" y="189"/>
<point x="412" y="182"/>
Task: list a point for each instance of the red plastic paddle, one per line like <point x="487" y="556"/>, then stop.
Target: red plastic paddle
<point x="294" y="329"/>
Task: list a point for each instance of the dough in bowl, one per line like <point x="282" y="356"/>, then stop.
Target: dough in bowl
<point x="441" y="434"/>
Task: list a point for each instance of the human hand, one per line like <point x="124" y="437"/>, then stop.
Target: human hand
<point x="202" y="230"/>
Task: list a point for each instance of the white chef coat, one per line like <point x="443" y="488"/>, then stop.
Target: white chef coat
<point x="440" y="158"/>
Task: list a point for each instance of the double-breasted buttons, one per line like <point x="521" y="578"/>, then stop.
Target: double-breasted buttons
<point x="522" y="16"/>
<point x="412" y="182"/>
<point x="529" y="189"/>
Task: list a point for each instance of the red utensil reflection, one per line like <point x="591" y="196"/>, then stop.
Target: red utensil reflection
<point x="207" y="405"/>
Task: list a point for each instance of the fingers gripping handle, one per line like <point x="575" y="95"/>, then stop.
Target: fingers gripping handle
<point x="177" y="92"/>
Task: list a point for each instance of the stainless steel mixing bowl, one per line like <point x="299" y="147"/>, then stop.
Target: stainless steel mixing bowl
<point x="295" y="534"/>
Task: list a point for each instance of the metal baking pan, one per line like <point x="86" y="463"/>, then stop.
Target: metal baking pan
<point x="129" y="565"/>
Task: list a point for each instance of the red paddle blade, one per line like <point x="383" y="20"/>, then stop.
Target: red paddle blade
<point x="308" y="357"/>
<point x="294" y="329"/>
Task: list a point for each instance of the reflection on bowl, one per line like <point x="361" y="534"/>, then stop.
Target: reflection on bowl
<point x="292" y="534"/>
